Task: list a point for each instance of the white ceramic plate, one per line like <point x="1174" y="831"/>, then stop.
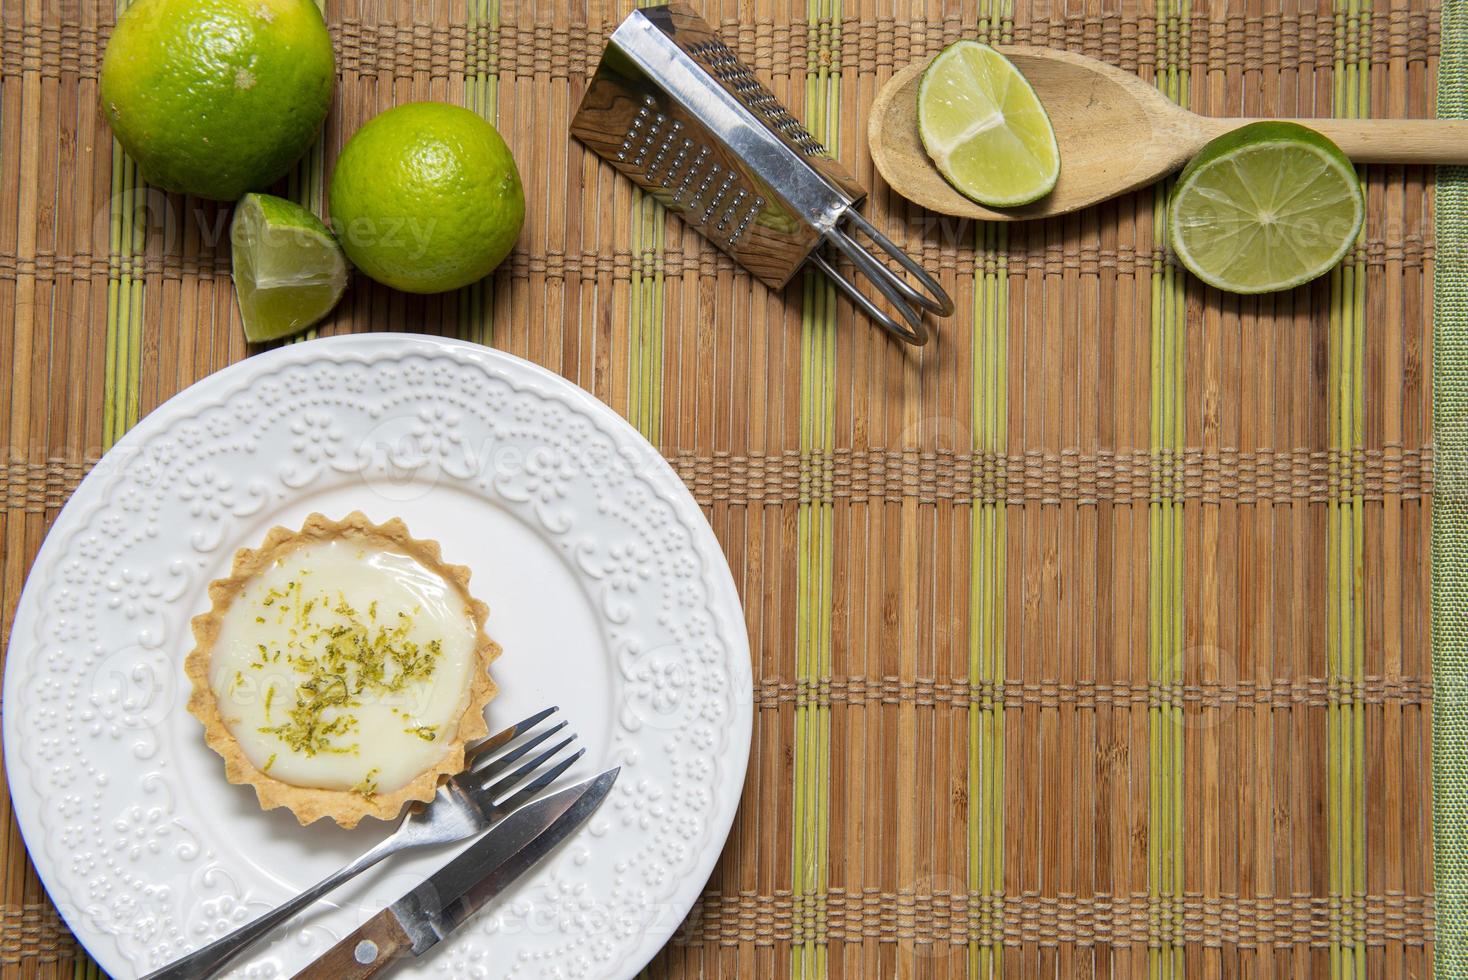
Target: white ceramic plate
<point x="606" y="588"/>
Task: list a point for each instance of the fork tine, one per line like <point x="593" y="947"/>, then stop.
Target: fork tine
<point x="540" y="782"/>
<point x="492" y="767"/>
<point x="493" y="791"/>
<point x="499" y="739"/>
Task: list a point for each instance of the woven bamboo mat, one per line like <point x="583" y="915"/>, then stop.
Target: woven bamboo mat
<point x="1091" y="641"/>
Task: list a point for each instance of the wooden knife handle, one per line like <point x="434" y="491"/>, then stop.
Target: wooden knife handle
<point x="378" y="942"/>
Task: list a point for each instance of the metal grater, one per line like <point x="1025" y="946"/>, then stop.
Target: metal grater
<point x="673" y="108"/>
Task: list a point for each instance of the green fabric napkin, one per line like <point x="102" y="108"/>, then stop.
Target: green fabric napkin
<point x="1450" y="520"/>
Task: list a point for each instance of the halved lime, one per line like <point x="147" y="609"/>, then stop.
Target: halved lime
<point x="1268" y="206"/>
<point x="288" y="269"/>
<point x="984" y="128"/>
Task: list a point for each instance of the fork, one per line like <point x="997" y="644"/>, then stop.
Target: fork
<point x="464" y="805"/>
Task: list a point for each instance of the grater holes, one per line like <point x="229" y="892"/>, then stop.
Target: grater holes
<point x="744" y="220"/>
<point x="661" y="156"/>
<point x="644" y="133"/>
<point x="711" y="197"/>
<point x="716" y="200"/>
<point x="675" y="167"/>
<point x="690" y="174"/>
<point x="728" y="214"/>
<point x="725" y="65"/>
<point x="710" y="175"/>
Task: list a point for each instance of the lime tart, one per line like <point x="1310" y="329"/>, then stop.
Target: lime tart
<point x="341" y="669"/>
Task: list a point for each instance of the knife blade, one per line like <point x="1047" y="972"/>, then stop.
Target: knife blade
<point x="426" y="915"/>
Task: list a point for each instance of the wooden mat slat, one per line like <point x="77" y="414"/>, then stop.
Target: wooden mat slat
<point x="1344" y="648"/>
<point x="1052" y="673"/>
<point x="987" y="630"/>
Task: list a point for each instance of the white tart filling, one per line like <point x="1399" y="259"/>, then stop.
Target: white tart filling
<point x="344" y="666"/>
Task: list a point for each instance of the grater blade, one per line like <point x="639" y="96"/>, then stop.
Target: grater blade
<point x="672" y="107"/>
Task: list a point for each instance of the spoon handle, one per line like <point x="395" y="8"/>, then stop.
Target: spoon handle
<point x="1424" y="141"/>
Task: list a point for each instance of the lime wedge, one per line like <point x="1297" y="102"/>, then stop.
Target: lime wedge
<point x="288" y="269"/>
<point x="984" y="128"/>
<point x="1268" y="206"/>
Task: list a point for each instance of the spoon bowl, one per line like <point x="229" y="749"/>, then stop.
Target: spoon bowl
<point x="1116" y="133"/>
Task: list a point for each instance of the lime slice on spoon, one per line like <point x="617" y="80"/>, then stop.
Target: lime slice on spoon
<point x="1268" y="206"/>
<point x="984" y="128"/>
<point x="288" y="269"/>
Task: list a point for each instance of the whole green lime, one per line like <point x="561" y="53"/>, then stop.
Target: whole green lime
<point x="217" y="97"/>
<point x="426" y="198"/>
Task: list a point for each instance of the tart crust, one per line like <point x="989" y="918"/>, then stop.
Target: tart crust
<point x="309" y="804"/>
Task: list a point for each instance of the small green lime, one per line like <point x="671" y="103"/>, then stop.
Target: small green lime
<point x="1268" y="206"/>
<point x="288" y="270"/>
<point x="217" y="97"/>
<point x="426" y="198"/>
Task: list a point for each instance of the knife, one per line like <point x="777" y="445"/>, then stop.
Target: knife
<point x="417" y="922"/>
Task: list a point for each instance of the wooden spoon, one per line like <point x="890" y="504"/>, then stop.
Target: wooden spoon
<point x="1116" y="133"/>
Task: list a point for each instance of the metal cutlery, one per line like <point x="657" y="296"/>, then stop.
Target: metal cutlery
<point x="490" y="786"/>
<point x="426" y="915"/>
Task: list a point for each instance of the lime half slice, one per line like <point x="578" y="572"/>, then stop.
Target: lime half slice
<point x="984" y="128"/>
<point x="288" y="269"/>
<point x="1268" y="206"/>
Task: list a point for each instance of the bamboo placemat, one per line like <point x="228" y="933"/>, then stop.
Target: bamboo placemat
<point x="1093" y="640"/>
